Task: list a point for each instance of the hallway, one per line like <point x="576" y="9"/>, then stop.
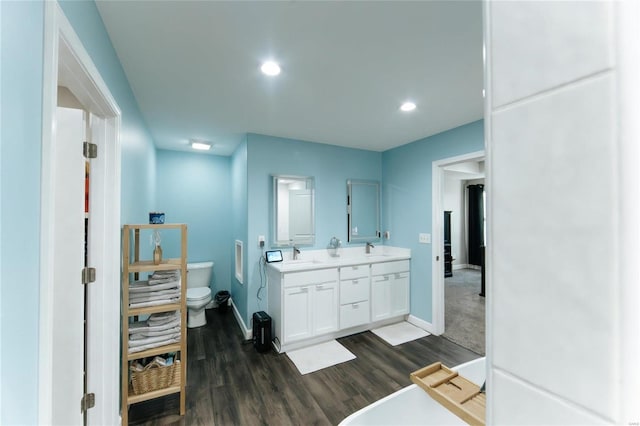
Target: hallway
<point x="465" y="310"/>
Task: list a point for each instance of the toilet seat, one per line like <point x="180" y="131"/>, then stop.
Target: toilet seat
<point x="198" y="294"/>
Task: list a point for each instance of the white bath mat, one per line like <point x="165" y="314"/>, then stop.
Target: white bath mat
<point x="317" y="357"/>
<point x="402" y="332"/>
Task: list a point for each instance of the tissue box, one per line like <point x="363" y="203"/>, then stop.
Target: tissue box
<point x="156" y="218"/>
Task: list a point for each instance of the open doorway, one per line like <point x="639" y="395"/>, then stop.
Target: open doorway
<point x="458" y="307"/>
<point x="73" y="361"/>
<point x="464" y="218"/>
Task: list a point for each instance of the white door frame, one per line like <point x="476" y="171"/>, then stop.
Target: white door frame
<point x="437" y="230"/>
<point x="64" y="50"/>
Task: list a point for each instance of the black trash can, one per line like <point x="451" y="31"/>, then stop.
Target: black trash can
<point x="222" y="299"/>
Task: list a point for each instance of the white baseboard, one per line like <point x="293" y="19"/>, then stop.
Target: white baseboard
<point x="245" y="331"/>
<point x="420" y="323"/>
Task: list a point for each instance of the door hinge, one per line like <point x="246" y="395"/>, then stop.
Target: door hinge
<point x="88" y="401"/>
<point x="88" y="275"/>
<point x="90" y="150"/>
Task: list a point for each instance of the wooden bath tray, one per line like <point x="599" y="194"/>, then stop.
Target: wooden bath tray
<point x="459" y="395"/>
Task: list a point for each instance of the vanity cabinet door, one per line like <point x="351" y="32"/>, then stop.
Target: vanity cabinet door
<point x="325" y="308"/>
<point x="389" y="295"/>
<point x="297" y="313"/>
<point x="400" y="294"/>
<point x="380" y="297"/>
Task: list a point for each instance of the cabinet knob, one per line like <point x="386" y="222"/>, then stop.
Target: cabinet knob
<point x="355" y="281"/>
<point x="355" y="305"/>
<point x="319" y="286"/>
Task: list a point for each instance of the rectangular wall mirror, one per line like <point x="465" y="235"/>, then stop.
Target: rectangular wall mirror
<point x="294" y="211"/>
<point x="363" y="210"/>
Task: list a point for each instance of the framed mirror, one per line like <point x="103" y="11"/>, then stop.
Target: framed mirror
<point x="363" y="210"/>
<point x="294" y="210"/>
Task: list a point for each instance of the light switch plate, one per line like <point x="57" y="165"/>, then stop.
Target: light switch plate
<point x="424" y="238"/>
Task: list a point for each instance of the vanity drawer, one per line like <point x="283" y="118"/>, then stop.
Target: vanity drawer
<point x="354" y="271"/>
<point x="316" y="276"/>
<point x="353" y="314"/>
<point x="354" y="290"/>
<point x="390" y="267"/>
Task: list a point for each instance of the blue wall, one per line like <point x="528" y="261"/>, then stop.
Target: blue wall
<point x="195" y="189"/>
<point x="239" y="209"/>
<point x="22" y="39"/>
<point x="138" y="149"/>
<point x="406" y="200"/>
<point x="330" y="165"/>
<point x="21" y="133"/>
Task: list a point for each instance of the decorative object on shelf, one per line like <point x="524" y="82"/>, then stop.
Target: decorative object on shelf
<point x="157" y="251"/>
<point x="156" y="218"/>
<point x="334" y="247"/>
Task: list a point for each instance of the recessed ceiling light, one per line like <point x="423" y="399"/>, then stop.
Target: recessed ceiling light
<point x="270" y="68"/>
<point x="407" y="106"/>
<point x="202" y="146"/>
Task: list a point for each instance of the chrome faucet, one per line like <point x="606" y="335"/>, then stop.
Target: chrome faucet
<point x="296" y="252"/>
<point x="369" y="247"/>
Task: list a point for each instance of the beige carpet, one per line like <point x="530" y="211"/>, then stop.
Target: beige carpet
<point x="464" y="311"/>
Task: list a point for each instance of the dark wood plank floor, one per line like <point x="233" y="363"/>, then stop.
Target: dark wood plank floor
<point x="229" y="383"/>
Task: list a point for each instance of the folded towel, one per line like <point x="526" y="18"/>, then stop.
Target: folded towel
<point x="154" y="303"/>
<point x="147" y="340"/>
<point x="156" y="281"/>
<point x="163" y="317"/>
<point x="172" y="273"/>
<point x="144" y="327"/>
<point x="147" y="297"/>
<point x="144" y="287"/>
<point x="151" y="333"/>
<point x="153" y="345"/>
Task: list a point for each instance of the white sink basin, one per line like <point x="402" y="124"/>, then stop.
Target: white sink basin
<point x="377" y="256"/>
<point x="302" y="262"/>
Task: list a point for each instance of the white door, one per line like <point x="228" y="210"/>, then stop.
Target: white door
<point x="68" y="292"/>
<point x="325" y="308"/>
<point x="297" y="314"/>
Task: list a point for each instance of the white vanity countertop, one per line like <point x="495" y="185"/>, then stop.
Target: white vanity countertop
<point x="320" y="259"/>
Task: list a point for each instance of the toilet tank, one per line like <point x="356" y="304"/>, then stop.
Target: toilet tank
<point x="199" y="274"/>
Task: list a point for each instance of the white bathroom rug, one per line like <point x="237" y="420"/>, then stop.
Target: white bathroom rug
<point x="402" y="332"/>
<point x="316" y="357"/>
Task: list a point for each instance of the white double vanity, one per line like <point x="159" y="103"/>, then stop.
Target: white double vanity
<point x="319" y="297"/>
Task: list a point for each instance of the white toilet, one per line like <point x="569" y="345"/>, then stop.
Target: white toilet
<point x="198" y="292"/>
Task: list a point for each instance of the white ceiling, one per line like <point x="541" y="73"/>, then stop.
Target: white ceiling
<point x="346" y="67"/>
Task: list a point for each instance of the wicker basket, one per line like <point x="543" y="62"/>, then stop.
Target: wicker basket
<point x="155" y="377"/>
